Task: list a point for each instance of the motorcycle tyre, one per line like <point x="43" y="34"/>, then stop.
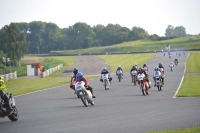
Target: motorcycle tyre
<point x="14" y="116"/>
<point x="84" y="100"/>
<point x="142" y="88"/>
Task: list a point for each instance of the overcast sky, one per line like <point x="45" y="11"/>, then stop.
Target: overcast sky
<point x="152" y="15"/>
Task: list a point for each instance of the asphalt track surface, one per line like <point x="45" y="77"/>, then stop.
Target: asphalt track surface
<point x="123" y="108"/>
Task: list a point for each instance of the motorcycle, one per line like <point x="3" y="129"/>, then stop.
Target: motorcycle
<point x="158" y="81"/>
<point x="85" y="95"/>
<point x="143" y="84"/>
<point x="106" y="81"/>
<point x="13" y="116"/>
<point x="171" y="67"/>
<point x="134" y="76"/>
<point x="119" y="74"/>
<point x="176" y="63"/>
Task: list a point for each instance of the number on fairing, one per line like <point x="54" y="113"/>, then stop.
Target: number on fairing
<point x="79" y="87"/>
<point x="140" y="78"/>
<point x="134" y="72"/>
<point x="157" y="76"/>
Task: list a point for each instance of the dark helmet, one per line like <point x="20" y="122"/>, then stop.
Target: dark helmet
<point x="140" y="70"/>
<point x="160" y="64"/>
<point x="75" y="71"/>
<point x="79" y="76"/>
<point x="144" y="65"/>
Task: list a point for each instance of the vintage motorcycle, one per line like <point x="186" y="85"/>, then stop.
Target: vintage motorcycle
<point x="84" y="94"/>
<point x="158" y="80"/>
<point x="13" y="116"/>
<point x="143" y="84"/>
<point x="119" y="74"/>
<point x="171" y="67"/>
<point x="134" y="76"/>
<point x="105" y="81"/>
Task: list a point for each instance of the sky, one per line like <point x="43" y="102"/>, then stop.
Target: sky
<point x="152" y="15"/>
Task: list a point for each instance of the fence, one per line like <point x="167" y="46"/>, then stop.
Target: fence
<point x="51" y="70"/>
<point x="9" y="76"/>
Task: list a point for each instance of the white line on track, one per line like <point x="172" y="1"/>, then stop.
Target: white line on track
<point x="182" y="77"/>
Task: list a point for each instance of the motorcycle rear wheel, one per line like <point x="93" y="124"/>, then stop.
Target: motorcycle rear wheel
<point x="14" y="116"/>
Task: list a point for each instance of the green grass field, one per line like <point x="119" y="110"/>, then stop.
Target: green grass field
<point x="190" y="85"/>
<point x="126" y="61"/>
<point x="195" y="129"/>
<point x="193" y="62"/>
<point x="181" y="43"/>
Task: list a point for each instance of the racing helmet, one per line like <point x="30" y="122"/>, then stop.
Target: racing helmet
<point x="79" y="76"/>
<point x="140" y="70"/>
<point x="75" y="71"/>
<point x="104" y="68"/>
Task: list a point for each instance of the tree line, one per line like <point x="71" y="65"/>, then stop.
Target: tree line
<point x="17" y="39"/>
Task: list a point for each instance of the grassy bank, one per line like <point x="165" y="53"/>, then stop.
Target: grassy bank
<point x="195" y="129"/>
<point x="126" y="61"/>
<point x="181" y="43"/>
<point x="190" y="85"/>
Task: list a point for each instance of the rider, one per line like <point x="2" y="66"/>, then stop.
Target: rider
<point x="105" y="71"/>
<point x="161" y="66"/>
<point x="176" y="60"/>
<point x="5" y="96"/>
<point x="144" y="67"/>
<point x="119" y="68"/>
<point x="79" y="77"/>
<point x="171" y="65"/>
<point x="136" y="66"/>
<point x="73" y="76"/>
<point x="156" y="69"/>
<point x="140" y="71"/>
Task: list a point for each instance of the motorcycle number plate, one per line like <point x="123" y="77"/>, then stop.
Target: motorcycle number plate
<point x="78" y="88"/>
<point x="80" y="93"/>
<point x="140" y="78"/>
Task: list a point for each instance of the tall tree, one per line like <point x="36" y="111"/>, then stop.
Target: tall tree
<point x="138" y="33"/>
<point x="179" y="31"/>
<point x="169" y="31"/>
<point x="15" y="42"/>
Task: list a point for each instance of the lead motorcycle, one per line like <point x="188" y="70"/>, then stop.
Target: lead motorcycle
<point x="105" y="81"/>
<point x="134" y="76"/>
<point x="84" y="94"/>
<point x="143" y="84"/>
<point x="13" y="116"/>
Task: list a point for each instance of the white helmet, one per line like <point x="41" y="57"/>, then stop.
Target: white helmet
<point x="104" y="68"/>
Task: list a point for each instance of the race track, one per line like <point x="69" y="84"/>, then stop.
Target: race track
<point x="123" y="108"/>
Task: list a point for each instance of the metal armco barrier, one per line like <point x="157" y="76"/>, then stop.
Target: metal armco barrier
<point x="9" y="76"/>
<point x="51" y="70"/>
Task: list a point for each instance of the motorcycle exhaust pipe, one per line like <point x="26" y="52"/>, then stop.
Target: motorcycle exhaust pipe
<point x="13" y="101"/>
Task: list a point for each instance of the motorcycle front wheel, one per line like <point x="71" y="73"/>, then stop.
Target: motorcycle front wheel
<point x="84" y="100"/>
<point x="14" y="116"/>
<point x="142" y="88"/>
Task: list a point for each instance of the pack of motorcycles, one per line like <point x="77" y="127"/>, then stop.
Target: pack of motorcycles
<point x="84" y="94"/>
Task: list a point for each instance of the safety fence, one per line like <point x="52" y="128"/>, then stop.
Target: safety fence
<point x="51" y="70"/>
<point x="9" y="76"/>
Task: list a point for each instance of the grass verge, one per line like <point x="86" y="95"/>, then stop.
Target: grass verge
<point x="193" y="62"/>
<point x="126" y="61"/>
<point x="195" y="129"/>
<point x="190" y="85"/>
